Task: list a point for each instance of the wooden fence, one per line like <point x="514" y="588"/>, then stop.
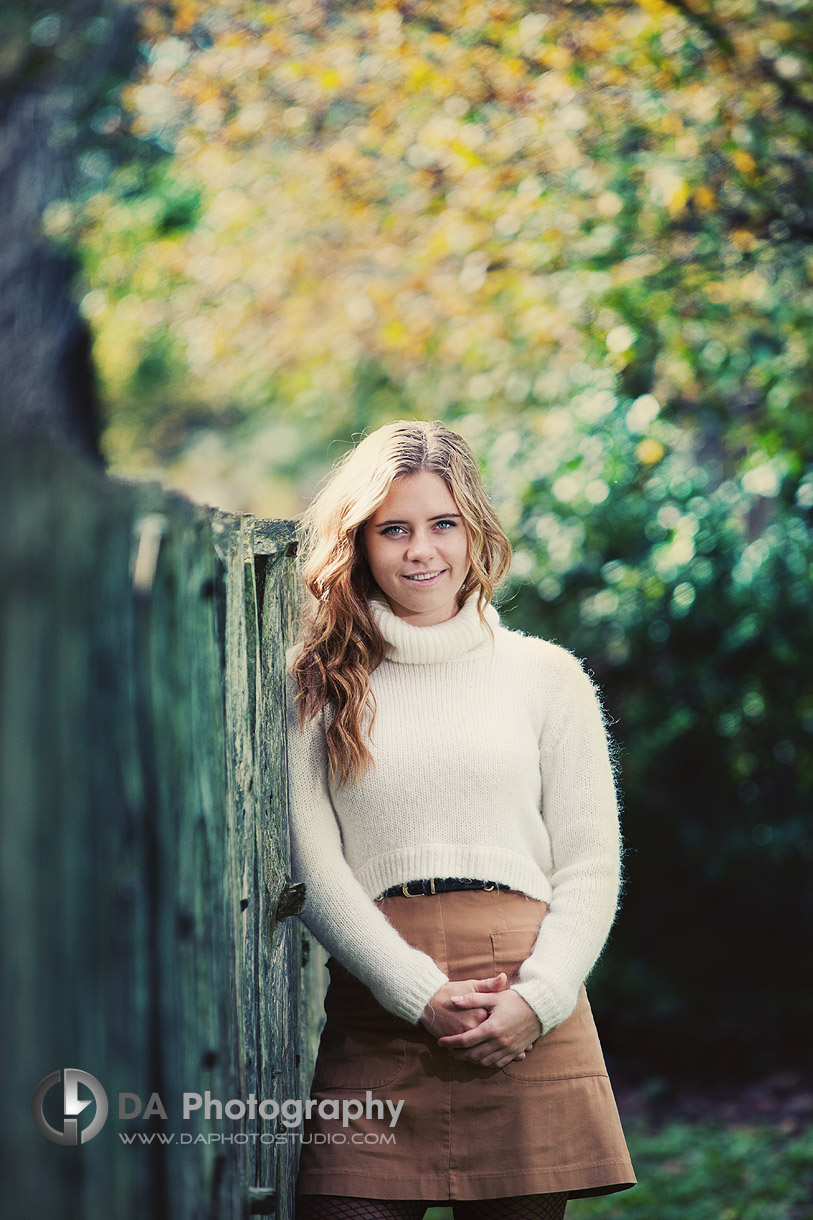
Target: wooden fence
<point x="143" y="848"/>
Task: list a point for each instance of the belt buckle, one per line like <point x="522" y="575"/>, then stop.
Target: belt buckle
<point x="489" y="885"/>
<point x="405" y="890"/>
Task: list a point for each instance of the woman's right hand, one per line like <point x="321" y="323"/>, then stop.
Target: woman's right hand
<point x="441" y="1017"/>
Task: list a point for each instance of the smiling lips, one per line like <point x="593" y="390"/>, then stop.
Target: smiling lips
<point x="424" y="577"/>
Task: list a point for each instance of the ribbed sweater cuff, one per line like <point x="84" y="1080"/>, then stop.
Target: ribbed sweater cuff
<point x="409" y="1000"/>
<point x="551" y="1007"/>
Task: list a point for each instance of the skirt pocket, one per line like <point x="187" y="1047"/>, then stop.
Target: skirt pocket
<point x="357" y="1061"/>
<point x="570" y="1050"/>
<point x="362" y="1045"/>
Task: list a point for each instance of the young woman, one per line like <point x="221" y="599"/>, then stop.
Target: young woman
<point x="453" y="816"/>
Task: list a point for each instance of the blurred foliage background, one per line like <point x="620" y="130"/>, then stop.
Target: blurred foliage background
<point x="581" y="234"/>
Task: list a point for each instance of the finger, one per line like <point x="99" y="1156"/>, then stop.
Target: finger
<point x="498" y="1056"/>
<point x="474" y="999"/>
<point x="495" y="1059"/>
<point x="480" y="1052"/>
<point x="471" y="1018"/>
<point x="466" y="1040"/>
<point x="497" y="983"/>
<point x="477" y="1055"/>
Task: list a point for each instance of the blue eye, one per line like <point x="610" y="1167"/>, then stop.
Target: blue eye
<point x="390" y="531"/>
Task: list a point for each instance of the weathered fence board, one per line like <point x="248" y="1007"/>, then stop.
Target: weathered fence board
<point x="143" y="842"/>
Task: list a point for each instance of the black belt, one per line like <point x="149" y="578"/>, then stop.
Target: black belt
<point x="440" y="885"/>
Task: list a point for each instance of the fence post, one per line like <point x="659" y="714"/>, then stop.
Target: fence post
<point x="144" y="884"/>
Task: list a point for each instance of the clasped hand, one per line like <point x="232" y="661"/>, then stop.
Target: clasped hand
<point x="482" y="1021"/>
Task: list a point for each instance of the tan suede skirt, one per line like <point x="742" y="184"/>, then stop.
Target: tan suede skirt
<point x="544" y="1124"/>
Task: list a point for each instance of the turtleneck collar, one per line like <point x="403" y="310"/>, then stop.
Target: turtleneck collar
<point x="413" y="645"/>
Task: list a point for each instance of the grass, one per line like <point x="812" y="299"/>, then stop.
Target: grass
<point x="706" y="1171"/>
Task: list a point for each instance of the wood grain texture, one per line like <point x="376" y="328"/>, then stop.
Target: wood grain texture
<point x="151" y="936"/>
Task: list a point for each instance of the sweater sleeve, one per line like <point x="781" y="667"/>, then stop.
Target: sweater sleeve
<point x="337" y="910"/>
<point x="580" y="811"/>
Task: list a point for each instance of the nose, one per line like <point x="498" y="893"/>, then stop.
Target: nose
<point x="420" y="547"/>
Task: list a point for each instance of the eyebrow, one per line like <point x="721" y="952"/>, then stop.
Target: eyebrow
<point x="438" y="517"/>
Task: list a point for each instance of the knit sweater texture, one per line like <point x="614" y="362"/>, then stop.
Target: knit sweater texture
<point x="491" y="762"/>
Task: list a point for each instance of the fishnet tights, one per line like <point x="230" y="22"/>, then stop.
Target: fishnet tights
<point x="516" y="1207"/>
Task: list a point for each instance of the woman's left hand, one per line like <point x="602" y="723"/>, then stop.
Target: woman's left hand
<point x="510" y="1029"/>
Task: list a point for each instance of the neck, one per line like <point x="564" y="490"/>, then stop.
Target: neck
<point x="410" y="644"/>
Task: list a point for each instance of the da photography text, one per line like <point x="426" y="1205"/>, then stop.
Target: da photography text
<point x="59" y="1094"/>
<point x="290" y="1112"/>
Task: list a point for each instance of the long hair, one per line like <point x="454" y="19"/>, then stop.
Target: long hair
<point x="342" y="644"/>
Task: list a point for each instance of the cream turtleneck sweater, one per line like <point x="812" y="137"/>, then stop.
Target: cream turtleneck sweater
<point x="491" y="761"/>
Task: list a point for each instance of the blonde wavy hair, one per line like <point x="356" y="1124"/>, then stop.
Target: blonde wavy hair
<point x="342" y="644"/>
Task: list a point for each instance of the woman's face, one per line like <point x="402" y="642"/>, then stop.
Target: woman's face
<point x="418" y="550"/>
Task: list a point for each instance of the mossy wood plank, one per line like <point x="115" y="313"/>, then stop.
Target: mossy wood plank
<point x="142" y="841"/>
